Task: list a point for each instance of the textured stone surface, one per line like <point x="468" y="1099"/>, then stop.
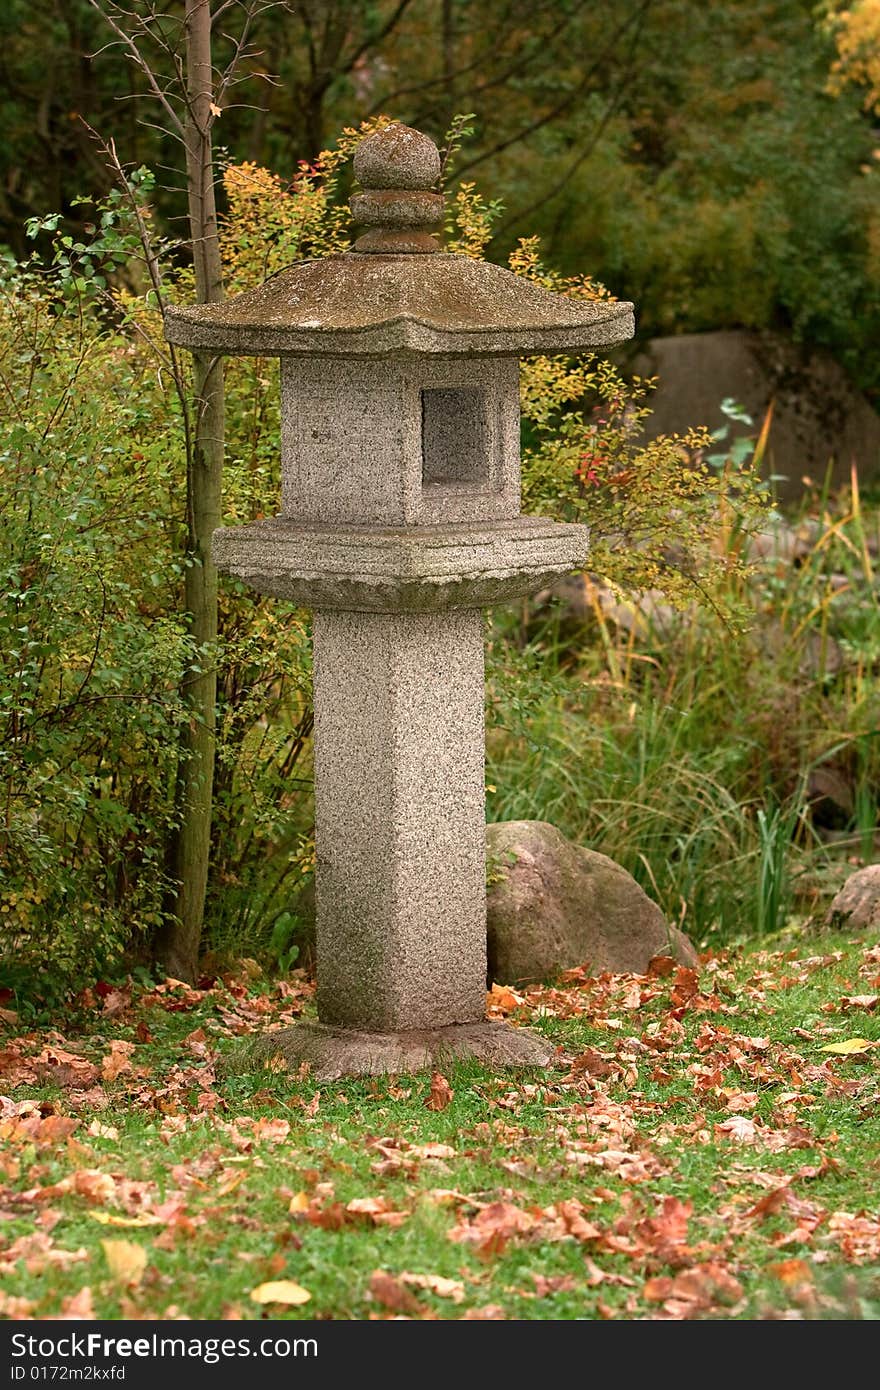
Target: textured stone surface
<point x="857" y="906"/>
<point x="334" y="1052"/>
<point x="423" y="569"/>
<point x="391" y="207"/>
<point x="375" y="305"/>
<point x="389" y="443"/>
<point x="558" y="906"/>
<point x="399" y="814"/>
<point x="397" y="157"/>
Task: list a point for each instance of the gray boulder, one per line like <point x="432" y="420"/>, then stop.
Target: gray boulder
<point x="814" y="401"/>
<point x="857" y="905"/>
<point x="554" y="906"/>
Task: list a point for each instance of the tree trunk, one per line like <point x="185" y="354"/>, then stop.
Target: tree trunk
<point x="178" y="946"/>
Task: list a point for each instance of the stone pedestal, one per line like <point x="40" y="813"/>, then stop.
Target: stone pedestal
<point x="400" y="819"/>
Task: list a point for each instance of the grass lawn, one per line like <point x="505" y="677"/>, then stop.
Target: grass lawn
<point x="697" y="1151"/>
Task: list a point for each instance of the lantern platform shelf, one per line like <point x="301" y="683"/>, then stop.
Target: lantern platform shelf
<point x="416" y="569"/>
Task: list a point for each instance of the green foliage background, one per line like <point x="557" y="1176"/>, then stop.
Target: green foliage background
<point x="714" y="181"/>
<point x="691" y="156"/>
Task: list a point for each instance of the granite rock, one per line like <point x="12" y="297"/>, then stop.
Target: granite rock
<point x="857" y="906"/>
<point x="554" y="905"/>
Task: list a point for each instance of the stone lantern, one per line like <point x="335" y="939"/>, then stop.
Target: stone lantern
<point x="400" y="522"/>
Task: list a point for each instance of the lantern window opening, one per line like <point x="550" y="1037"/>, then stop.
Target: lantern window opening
<point x="455" y="438"/>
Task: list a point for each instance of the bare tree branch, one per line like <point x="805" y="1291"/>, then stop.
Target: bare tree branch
<point x="137" y="57"/>
<point x="539" y="122"/>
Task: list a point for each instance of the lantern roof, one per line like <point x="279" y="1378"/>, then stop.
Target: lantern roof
<point x="396" y="292"/>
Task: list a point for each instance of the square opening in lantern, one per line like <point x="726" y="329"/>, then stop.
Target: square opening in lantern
<point x="454" y="438"/>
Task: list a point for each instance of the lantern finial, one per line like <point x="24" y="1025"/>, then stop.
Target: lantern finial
<point x="397" y="168"/>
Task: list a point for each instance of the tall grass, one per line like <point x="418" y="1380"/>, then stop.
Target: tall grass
<point x="687" y="753"/>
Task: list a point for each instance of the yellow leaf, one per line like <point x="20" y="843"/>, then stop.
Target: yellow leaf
<point x="298" y="1202"/>
<point x="109" y="1218"/>
<point x="280" y="1291"/>
<point x="229" y="1184"/>
<point x="126" y="1260"/>
<point x="850" y="1048"/>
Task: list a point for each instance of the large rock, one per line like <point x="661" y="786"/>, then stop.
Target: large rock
<point x="554" y="906"/>
<point x="857" y="905"/>
<point x="818" y="416"/>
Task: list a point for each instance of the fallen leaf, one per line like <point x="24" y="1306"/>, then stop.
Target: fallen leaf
<point x="78" y="1305"/>
<point x="431" y="1151"/>
<point x="101" y="1131"/>
<point x="435" y="1283"/>
<point x="126" y="1260"/>
<point x="280" y="1291"/>
<point x="851" y="1047"/>
<point x="490" y="1312"/>
<point x="376" y="1209"/>
<point x="110" y="1218"/>
<point x="740" y="1129"/>
<point x="394" y="1295"/>
<point x="441" y="1092"/>
<point x="55" y="1127"/>
<point x="792" y="1272"/>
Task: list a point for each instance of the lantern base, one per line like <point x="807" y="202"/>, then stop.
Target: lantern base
<point x="335" y="1052"/>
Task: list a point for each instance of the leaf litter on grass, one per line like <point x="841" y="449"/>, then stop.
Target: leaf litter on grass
<point x="705" y="1146"/>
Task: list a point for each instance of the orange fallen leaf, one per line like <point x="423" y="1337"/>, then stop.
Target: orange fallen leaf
<point x="435" y="1283"/>
<point x="441" y="1092"/>
<point x="377" y="1210"/>
<point x="79" y="1305"/>
<point x="394" y="1295"/>
<point x="792" y="1272"/>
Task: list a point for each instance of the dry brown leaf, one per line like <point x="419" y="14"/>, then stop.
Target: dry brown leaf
<point x="98" y="1130"/>
<point x="435" y="1283"/>
<point x="740" y="1129"/>
<point x="431" y="1151"/>
<point x="441" y="1092"/>
<point x="376" y="1209"/>
<point x="392" y="1294"/>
